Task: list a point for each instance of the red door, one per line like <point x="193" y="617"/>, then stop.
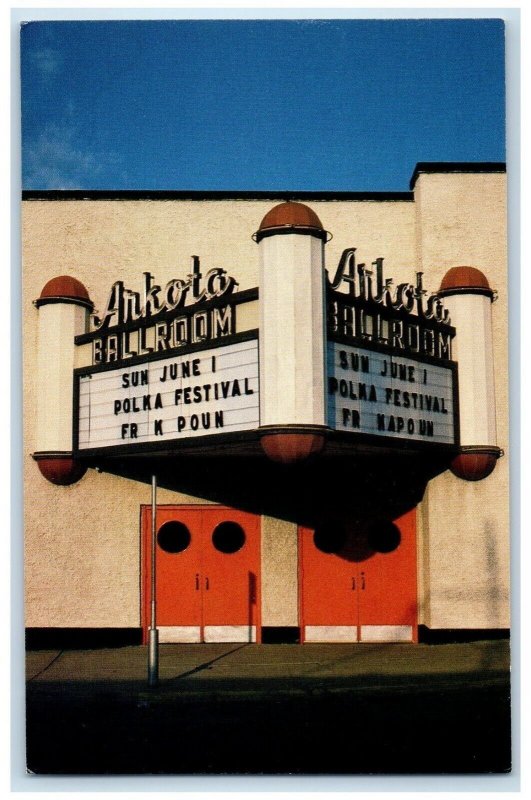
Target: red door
<point x="358" y="581"/>
<point x="329" y="604"/>
<point x="388" y="583"/>
<point x="207" y="561"/>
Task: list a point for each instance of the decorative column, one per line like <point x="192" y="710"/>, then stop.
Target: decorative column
<point x="468" y="297"/>
<point x="291" y="239"/>
<point x="64" y="307"/>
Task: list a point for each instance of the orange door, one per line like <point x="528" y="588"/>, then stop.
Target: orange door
<point x="388" y="582"/>
<point x="231" y="557"/>
<point x="358" y="581"/>
<point x="178" y="567"/>
<point x="207" y="586"/>
<point x="327" y="585"/>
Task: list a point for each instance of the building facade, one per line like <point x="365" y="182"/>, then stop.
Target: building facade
<point x="319" y="383"/>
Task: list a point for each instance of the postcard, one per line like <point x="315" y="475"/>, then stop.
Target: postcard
<point x="265" y="313"/>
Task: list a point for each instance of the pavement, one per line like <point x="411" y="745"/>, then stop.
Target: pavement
<point x="271" y="709"/>
<point x="239" y="668"/>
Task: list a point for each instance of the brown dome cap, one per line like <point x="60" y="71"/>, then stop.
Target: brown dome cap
<point x="465" y="279"/>
<point x="61" y="471"/>
<point x="287" y="448"/>
<point x="288" y="217"/>
<point x="64" y="287"/>
<point x="473" y="466"/>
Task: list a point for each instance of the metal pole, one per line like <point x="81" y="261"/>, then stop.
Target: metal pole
<point x="153" y="652"/>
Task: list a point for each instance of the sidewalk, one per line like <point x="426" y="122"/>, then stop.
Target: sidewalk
<point x="271" y="709"/>
<point x="191" y="668"/>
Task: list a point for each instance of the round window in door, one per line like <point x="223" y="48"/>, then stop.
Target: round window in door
<point x="173" y="537"/>
<point x="228" y="537"/>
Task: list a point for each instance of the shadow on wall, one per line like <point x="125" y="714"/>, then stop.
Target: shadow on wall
<point x="357" y="539"/>
<point x="308" y="493"/>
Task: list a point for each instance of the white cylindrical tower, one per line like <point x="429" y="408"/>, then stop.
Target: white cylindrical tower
<point x="292" y="332"/>
<point x="64" y="306"/>
<point x="468" y="297"/>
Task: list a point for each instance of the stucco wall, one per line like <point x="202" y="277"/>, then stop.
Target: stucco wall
<point x="461" y="221"/>
<point x="279" y="573"/>
<point x="82" y="554"/>
<point x="82" y="542"/>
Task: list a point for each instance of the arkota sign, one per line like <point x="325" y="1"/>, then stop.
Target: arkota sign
<point x="168" y="364"/>
<point x="389" y="370"/>
<point x="184" y="312"/>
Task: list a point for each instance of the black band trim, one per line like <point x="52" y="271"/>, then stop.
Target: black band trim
<point x="444" y="167"/>
<point x="43" y="455"/>
<point x="284" y="229"/>
<point x="276" y="430"/>
<point x="47" y="301"/>
<point x="481" y="450"/>
<point x="467" y="290"/>
<point x="106" y="194"/>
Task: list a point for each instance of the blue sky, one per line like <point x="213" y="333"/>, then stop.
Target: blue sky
<point x="344" y="105"/>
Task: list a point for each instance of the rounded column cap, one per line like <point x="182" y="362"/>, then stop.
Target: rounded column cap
<point x="465" y="280"/>
<point x="288" y="448"/>
<point x="64" y="288"/>
<point x="60" y="470"/>
<point x="291" y="217"/>
<point x="475" y="464"/>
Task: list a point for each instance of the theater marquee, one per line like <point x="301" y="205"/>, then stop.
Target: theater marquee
<point x="378" y="394"/>
<point x="389" y="367"/>
<point x="209" y="391"/>
<point x="168" y="365"/>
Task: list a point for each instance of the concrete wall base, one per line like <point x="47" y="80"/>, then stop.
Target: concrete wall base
<point x="88" y="638"/>
<point x="81" y="638"/>
<point x="281" y="635"/>
<point x="456" y="635"/>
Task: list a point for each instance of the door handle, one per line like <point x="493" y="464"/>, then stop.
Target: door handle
<point x="363" y="580"/>
<point x="353" y="584"/>
<point x="197" y="582"/>
<point x="207" y="585"/>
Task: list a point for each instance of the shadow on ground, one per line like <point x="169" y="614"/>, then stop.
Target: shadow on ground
<point x="326" y="726"/>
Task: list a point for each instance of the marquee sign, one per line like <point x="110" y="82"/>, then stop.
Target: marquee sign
<point x="168" y="365"/>
<point x="389" y="367"/>
<point x="209" y="391"/>
<point x="379" y="394"/>
<point x="160" y="319"/>
<point x="125" y="305"/>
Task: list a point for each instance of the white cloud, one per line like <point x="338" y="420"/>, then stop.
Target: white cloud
<point x="58" y="159"/>
<point x="46" y="62"/>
